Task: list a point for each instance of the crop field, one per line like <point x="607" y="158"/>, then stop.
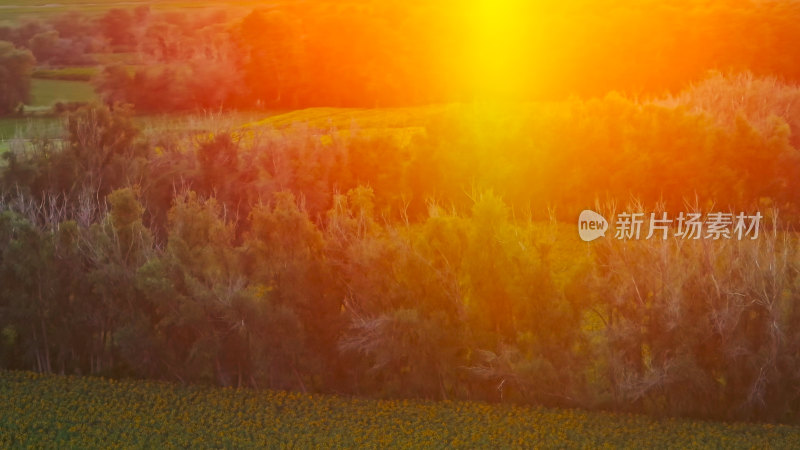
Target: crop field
<point x="88" y="412"/>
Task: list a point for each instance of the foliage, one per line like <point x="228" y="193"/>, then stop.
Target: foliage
<point x="693" y="326"/>
<point x="409" y="257"/>
<point x="16" y="66"/>
<point x="561" y="156"/>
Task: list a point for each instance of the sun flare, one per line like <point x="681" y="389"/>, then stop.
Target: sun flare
<point x="499" y="48"/>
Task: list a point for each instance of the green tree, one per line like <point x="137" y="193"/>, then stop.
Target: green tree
<point x="103" y="152"/>
<point x="114" y="249"/>
<point x="44" y="46"/>
<point x="40" y="272"/>
<point x="118" y="26"/>
<point x="16" y="67"/>
<point x="114" y="84"/>
<point x="402" y="302"/>
<point x="211" y="323"/>
<point x="284" y="256"/>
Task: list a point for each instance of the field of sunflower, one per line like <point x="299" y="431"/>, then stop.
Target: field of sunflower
<point x="79" y="412"/>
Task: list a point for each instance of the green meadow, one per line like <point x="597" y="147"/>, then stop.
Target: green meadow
<point x="46" y="92"/>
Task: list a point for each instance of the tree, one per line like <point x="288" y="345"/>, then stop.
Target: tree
<point x="118" y="26"/>
<point x="114" y="249"/>
<point x="103" y="149"/>
<point x="45" y="45"/>
<point x="16" y="67"/>
<point x="39" y="274"/>
<point x="272" y="45"/>
<point x="114" y="84"/>
<point x="283" y="257"/>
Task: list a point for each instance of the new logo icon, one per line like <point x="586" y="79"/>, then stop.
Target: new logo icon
<point x="591" y="225"/>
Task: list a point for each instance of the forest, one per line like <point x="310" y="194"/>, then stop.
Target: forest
<point x="394" y="228"/>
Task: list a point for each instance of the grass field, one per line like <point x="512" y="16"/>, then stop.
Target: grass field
<point x="74" y="412"/>
<point x="11" y="10"/>
<point x="66" y="74"/>
<point x="46" y="92"/>
<point x="27" y="127"/>
<point x="181" y="124"/>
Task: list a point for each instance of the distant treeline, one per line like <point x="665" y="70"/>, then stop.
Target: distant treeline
<point x="411" y="52"/>
<point x="376" y="261"/>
